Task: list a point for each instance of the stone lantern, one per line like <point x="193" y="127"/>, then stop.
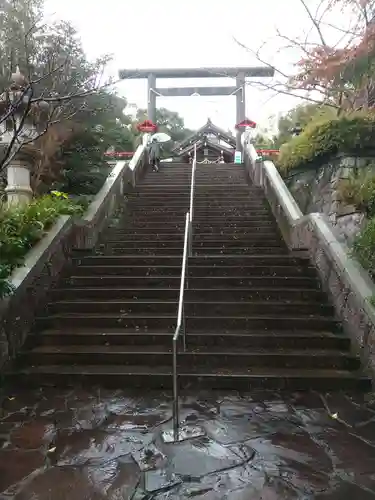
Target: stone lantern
<point x="19" y="168"/>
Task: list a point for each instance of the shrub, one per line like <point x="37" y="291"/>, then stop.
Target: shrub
<point x="22" y="226"/>
<point x="364" y="247"/>
<point x="359" y="191"/>
<point x="319" y="141"/>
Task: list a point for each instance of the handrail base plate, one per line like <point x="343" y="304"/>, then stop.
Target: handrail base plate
<point x="184" y="433"/>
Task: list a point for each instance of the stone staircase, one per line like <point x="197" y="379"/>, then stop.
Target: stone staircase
<point x="255" y="314"/>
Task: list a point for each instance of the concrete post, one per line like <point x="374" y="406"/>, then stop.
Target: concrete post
<point x="18" y="188"/>
<point x="240" y="105"/>
<point x="151" y="106"/>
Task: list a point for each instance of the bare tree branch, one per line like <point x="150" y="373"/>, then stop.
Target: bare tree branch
<point x="314" y="22"/>
<point x="328" y="71"/>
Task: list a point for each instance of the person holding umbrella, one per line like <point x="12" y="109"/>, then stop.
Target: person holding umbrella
<point x="154" y="154"/>
<point x="155" y="149"/>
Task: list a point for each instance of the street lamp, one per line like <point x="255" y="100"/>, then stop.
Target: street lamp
<point x="21" y="122"/>
<point x="295" y="131"/>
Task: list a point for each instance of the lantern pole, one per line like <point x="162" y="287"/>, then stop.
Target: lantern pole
<point x="22" y="121"/>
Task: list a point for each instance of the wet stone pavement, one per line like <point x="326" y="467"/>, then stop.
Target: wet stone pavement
<point x="106" y="445"/>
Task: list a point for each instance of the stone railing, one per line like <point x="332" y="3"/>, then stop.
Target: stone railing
<point x="45" y="263"/>
<point x="343" y="278"/>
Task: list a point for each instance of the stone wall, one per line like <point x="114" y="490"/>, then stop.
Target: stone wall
<point x="315" y="190"/>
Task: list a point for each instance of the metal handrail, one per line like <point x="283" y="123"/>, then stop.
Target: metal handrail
<point x="191" y="208"/>
<point x="181" y="327"/>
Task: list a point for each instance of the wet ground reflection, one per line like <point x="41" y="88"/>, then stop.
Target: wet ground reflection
<point x="106" y="445"/>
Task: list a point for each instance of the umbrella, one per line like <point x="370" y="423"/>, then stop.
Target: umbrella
<point x="161" y="137"/>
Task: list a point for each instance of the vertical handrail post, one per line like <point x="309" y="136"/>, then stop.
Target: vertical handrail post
<point x="176" y="416"/>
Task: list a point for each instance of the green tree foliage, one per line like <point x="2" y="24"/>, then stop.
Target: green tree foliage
<point x="302" y="115"/>
<point x="347" y="134"/>
<point x="262" y="141"/>
<point x="86" y="119"/>
<point x="84" y="165"/>
<point x="56" y="71"/>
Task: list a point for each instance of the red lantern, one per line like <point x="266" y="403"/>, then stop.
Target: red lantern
<point x="147" y="126"/>
<point x="245" y="123"/>
<point x="268" y="151"/>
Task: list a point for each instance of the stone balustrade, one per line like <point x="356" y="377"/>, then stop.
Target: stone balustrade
<point x="51" y="256"/>
<point x="343" y="278"/>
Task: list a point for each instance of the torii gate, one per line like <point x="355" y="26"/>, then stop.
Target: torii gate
<point x="239" y="90"/>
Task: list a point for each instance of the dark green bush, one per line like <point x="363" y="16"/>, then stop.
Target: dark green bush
<point x="348" y="134"/>
<point x="364" y="247"/>
<point x="23" y="226"/>
<point x="359" y="190"/>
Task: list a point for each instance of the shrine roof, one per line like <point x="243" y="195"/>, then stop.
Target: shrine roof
<point x="208" y="127"/>
<point x="204" y="143"/>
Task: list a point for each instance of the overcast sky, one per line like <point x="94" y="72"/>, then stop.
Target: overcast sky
<point x="198" y="33"/>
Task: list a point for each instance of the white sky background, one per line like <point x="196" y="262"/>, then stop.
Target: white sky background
<point x="198" y="33"/>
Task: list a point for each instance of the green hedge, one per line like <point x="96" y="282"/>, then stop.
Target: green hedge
<point x="21" y="227"/>
<point x="364" y="247"/>
<point x="359" y="190"/>
<point x="318" y="142"/>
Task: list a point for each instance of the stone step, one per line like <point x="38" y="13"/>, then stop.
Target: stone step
<point x="213" y="282"/>
<point x="202" y="182"/>
<point x="200" y="188"/>
<point x="200" y="252"/>
<point x="203" y="211"/>
<point x="263" y="339"/>
<point x="144" y="218"/>
<point x="193" y="358"/>
<point x="176" y="242"/>
<point x="199" y="196"/>
<point x="251" y="242"/>
<point x="251" y="238"/>
<point x="161" y="213"/>
<point x="168" y="322"/>
<point x="177" y="250"/>
<point x="87" y="269"/>
<point x="200" y="239"/>
<point x="200" y="205"/>
<point x="160" y="377"/>
<point x="123" y="231"/>
<point x="223" y="213"/>
<point x="264" y="236"/>
<point x="229" y="294"/>
<point x="192" y="308"/>
<point x="249" y="260"/>
<point x="124" y="225"/>
<point x="198" y="199"/>
<point x="239" y="250"/>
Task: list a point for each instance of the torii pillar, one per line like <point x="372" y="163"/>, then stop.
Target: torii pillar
<point x="240" y="105"/>
<point x="151" y="93"/>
